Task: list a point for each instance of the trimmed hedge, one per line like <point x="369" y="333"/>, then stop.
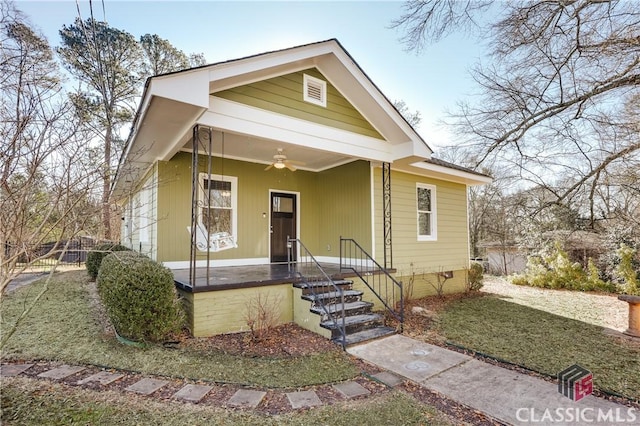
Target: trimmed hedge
<point x="475" y="277"/>
<point x="139" y="296"/>
<point x="99" y="252"/>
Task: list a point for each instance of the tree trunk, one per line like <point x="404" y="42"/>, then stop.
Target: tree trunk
<point x="106" y="185"/>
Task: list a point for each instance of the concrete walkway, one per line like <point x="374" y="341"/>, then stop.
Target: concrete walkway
<point x="503" y="394"/>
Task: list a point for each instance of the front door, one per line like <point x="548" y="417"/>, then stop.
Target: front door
<point x="283" y="224"/>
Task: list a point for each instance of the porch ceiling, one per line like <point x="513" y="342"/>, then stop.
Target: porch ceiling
<point x="260" y="150"/>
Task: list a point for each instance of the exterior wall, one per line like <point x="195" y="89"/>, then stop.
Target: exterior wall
<point x="139" y="224"/>
<point x="331" y="203"/>
<point x="344" y="195"/>
<point x="303" y="317"/>
<point x="449" y="252"/>
<point x="283" y="95"/>
<point x="226" y="311"/>
<point x="425" y="284"/>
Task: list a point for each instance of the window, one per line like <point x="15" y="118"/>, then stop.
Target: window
<point x="426" y="202"/>
<point x="315" y="90"/>
<point x="218" y="205"/>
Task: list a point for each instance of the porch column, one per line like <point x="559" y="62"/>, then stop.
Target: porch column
<point x="386" y="214"/>
<point x="202" y="138"/>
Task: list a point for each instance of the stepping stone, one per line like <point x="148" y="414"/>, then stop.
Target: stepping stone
<point x="61" y="372"/>
<point x="192" y="393"/>
<point x="11" y="370"/>
<point x="103" y="377"/>
<point x="388" y="379"/>
<point x="303" y="399"/>
<point x="147" y="386"/>
<point x="351" y="389"/>
<point x="246" y="398"/>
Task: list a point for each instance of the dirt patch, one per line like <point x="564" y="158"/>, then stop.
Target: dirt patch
<point x="284" y="341"/>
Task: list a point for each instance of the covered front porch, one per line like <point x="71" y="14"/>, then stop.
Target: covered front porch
<point x="336" y="300"/>
<point x="235" y="277"/>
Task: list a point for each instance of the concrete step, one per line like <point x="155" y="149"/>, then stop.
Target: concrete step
<point x="366" y="335"/>
<point x="353" y="324"/>
<point x="350" y="309"/>
<point x="318" y="287"/>
<point x="333" y="297"/>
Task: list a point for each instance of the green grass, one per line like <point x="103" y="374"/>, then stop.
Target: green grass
<point x="542" y="341"/>
<point x="28" y="402"/>
<point x="62" y="327"/>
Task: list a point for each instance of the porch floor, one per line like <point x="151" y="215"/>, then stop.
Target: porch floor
<point x="230" y="277"/>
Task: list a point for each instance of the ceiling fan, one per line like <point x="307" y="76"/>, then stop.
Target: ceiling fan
<point x="280" y="162"/>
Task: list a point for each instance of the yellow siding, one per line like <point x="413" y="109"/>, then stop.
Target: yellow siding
<point x="283" y="95"/>
<point x="425" y="284"/>
<point x="331" y="203"/>
<point x="140" y="216"/>
<point x="227" y="311"/>
<point x="174" y="198"/>
<point x="344" y="195"/>
<point x="303" y="316"/>
<point x="449" y="252"/>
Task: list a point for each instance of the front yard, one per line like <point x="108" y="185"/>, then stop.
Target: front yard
<point x="542" y="331"/>
<point x="68" y="327"/>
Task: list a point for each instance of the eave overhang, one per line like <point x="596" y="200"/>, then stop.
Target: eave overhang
<point x="173" y="104"/>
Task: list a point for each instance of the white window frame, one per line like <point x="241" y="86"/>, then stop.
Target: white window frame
<point x="234" y="200"/>
<point x="433" y="236"/>
<point x="307" y="80"/>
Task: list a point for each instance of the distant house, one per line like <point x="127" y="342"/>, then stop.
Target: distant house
<point x="280" y="157"/>
<point x="506" y="258"/>
<point x="503" y="258"/>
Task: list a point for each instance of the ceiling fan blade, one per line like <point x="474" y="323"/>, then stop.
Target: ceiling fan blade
<point x="289" y="166"/>
<point x="268" y="167"/>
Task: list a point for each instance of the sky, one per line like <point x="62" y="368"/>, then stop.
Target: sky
<point x="431" y="82"/>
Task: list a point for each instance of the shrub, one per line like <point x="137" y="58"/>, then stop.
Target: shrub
<point x="555" y="270"/>
<point x="95" y="256"/>
<point x="475" y="276"/>
<point x="139" y="296"/>
<point x="626" y="270"/>
<point x="262" y="314"/>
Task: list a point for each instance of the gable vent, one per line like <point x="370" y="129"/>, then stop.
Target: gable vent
<point x="315" y="90"/>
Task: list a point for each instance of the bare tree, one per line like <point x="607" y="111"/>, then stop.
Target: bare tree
<point x="47" y="177"/>
<point x="426" y="21"/>
<point x="559" y="99"/>
<point x="413" y="118"/>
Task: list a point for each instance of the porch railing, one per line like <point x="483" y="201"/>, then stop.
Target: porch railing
<point x="314" y="276"/>
<point x="386" y="288"/>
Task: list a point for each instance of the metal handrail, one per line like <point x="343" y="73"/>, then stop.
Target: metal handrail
<point x="377" y="278"/>
<point x="306" y="264"/>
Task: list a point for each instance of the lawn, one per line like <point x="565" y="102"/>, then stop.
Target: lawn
<point x="29" y="402"/>
<point x="545" y="337"/>
<point x="63" y="327"/>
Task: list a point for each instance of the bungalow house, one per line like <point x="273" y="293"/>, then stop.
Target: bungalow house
<point x="287" y="180"/>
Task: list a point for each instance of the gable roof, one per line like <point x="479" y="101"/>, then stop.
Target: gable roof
<point x="173" y="103"/>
